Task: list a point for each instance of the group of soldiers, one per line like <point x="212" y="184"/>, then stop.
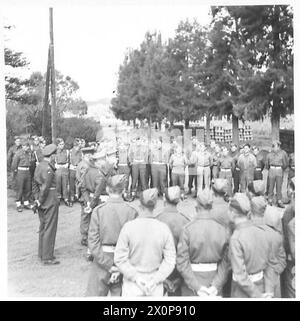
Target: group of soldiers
<point x="228" y="249"/>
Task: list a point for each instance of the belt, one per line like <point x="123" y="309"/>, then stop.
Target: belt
<point x="273" y="166"/>
<point x="158" y="163"/>
<point x="237" y="169"/>
<point x="139" y="161"/>
<point x="108" y="248"/>
<point x="52" y="188"/>
<point x="92" y="194"/>
<point x="225" y="169"/>
<point x="204" y="267"/>
<point x="61" y="166"/>
<point x="253" y="277"/>
<point x="292" y="167"/>
<point x="122" y="164"/>
<point x="203" y="166"/>
<point x="73" y="167"/>
<point x="258" y="168"/>
<point x="23" y="168"/>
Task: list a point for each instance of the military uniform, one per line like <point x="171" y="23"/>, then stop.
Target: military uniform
<point x="202" y="254"/>
<point x="178" y="164"/>
<point x="106" y="224"/>
<point x="62" y="173"/>
<point x="236" y="173"/>
<point x="215" y="163"/>
<point x="123" y="162"/>
<point x="203" y="162"/>
<point x="159" y="160"/>
<point x="75" y="159"/>
<point x="246" y="164"/>
<point x="291" y="173"/>
<point x="192" y="169"/>
<point x="260" y="164"/>
<point x="45" y="194"/>
<point x="138" y="158"/>
<point x="226" y="168"/>
<point x="277" y="162"/>
<point x="21" y="166"/>
<point x="10" y="155"/>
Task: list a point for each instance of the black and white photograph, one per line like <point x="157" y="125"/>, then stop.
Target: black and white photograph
<point x="148" y="150"/>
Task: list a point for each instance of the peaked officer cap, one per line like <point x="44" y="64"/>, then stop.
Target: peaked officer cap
<point x="205" y="198"/>
<point x="149" y="197"/>
<point x="99" y="155"/>
<point x="258" y="205"/>
<point x="173" y="194"/>
<point x="241" y="203"/>
<point x="49" y="150"/>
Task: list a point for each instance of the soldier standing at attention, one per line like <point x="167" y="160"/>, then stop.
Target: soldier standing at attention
<point x="215" y="153"/>
<point x="48" y="206"/>
<point x="62" y="160"/>
<point x="203" y="161"/>
<point x="106" y="224"/>
<point x="138" y="158"/>
<point x="21" y="166"/>
<point x="260" y="164"/>
<point x="176" y="222"/>
<point x="247" y="164"/>
<point x="234" y="153"/>
<point x="249" y="252"/>
<point x="11" y="153"/>
<point x="192" y="167"/>
<point x="202" y="251"/>
<point x="123" y="163"/>
<point x="173" y="146"/>
<point x="277" y="162"/>
<point x="226" y="168"/>
<point x="145" y="252"/>
<point x="75" y="159"/>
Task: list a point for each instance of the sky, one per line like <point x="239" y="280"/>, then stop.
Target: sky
<point x="90" y="37"/>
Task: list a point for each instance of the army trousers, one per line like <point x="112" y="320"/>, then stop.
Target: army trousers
<point x="236" y="181"/>
<point x="139" y="175"/>
<point x="203" y="177"/>
<point x="48" y="216"/>
<point x="288" y="281"/>
<point x="62" y="180"/>
<point x="159" y="177"/>
<point x="275" y="179"/>
<point x="98" y="282"/>
<point x="72" y="184"/>
<point x="204" y="278"/>
<point x="124" y="170"/>
<point x="214" y="172"/>
<point x="23" y="185"/>
<point x="227" y="174"/>
<point x="85" y="220"/>
<point x="245" y="180"/>
<point x="258" y="174"/>
<point x="178" y="180"/>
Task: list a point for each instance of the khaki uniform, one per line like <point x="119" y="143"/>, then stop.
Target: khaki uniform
<point x="10" y="155"/>
<point x="158" y="161"/>
<point x="145" y="247"/>
<point x="236" y="171"/>
<point x="203" y="162"/>
<point x="276" y="164"/>
<point x="45" y="193"/>
<point x="192" y="169"/>
<point x="247" y="165"/>
<point x="202" y="254"/>
<point x="106" y="224"/>
<point x="178" y="165"/>
<point x="259" y="166"/>
<point x="123" y="162"/>
<point x="62" y="173"/>
<point x="249" y="252"/>
<point x="75" y="159"/>
<point x="226" y="168"/>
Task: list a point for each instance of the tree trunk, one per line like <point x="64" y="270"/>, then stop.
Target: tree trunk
<point x="208" y="128"/>
<point x="275" y="123"/>
<point x="186" y="123"/>
<point x="235" y="130"/>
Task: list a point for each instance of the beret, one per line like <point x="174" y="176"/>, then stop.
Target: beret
<point x="257" y="187"/>
<point x="149" y="197"/>
<point x="49" y="150"/>
<point x="117" y="181"/>
<point x="205" y="197"/>
<point x="220" y="186"/>
<point x="258" y="205"/>
<point x="241" y="203"/>
<point x="173" y="194"/>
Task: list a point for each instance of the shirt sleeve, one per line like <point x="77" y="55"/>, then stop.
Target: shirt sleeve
<point x="239" y="270"/>
<point x="169" y="258"/>
<point x="15" y="162"/>
<point x="121" y="257"/>
<point x="183" y="262"/>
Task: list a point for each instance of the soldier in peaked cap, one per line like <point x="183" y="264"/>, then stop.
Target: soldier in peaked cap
<point x="274" y="236"/>
<point x="47" y="204"/>
<point x="106" y="224"/>
<point x="249" y="252"/>
<point x="21" y="166"/>
<point x="145" y="252"/>
<point x="202" y="251"/>
<point x="176" y="221"/>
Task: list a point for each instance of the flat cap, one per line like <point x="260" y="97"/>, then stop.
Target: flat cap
<point x="220" y="186"/>
<point x="49" y="150"/>
<point x="149" y="197"/>
<point x="258" y="205"/>
<point x="88" y="150"/>
<point x="257" y="187"/>
<point x="99" y="155"/>
<point x="117" y="182"/>
<point x="241" y="203"/>
<point x="173" y="194"/>
<point x="205" y="198"/>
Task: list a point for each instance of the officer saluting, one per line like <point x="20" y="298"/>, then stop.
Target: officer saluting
<point x="47" y="204"/>
<point x="106" y="223"/>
